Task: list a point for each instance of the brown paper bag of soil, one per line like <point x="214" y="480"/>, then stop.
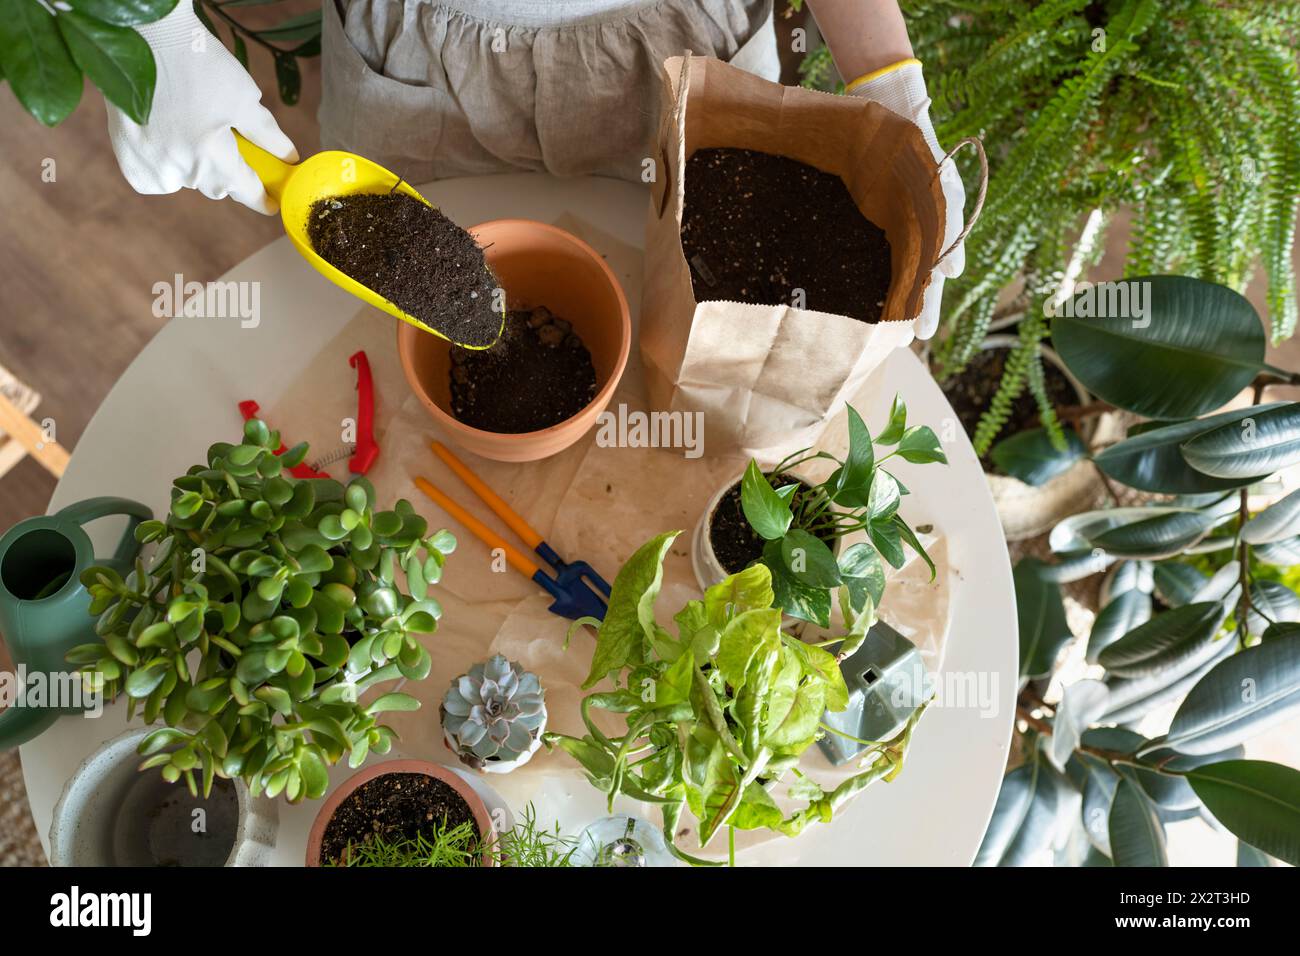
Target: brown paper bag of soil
<point x="769" y="378"/>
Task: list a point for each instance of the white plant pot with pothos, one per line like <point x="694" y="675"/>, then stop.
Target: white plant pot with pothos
<point x="112" y="814"/>
<point x="708" y="569"/>
<point x="493" y="716"/>
<point x="1027" y="511"/>
<point x="704" y="560"/>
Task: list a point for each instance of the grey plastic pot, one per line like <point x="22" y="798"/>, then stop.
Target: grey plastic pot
<point x="113" y="814"/>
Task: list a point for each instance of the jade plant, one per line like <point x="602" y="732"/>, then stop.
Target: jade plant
<point x="270" y="605"/>
<point x="1196" y="648"/>
<point x="802" y="524"/>
<point x="717" y="715"/>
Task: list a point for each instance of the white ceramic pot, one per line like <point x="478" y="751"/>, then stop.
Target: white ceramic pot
<point x="500" y="766"/>
<point x="708" y="570"/>
<point x="113" y="814"/>
<point x="1026" y="511"/>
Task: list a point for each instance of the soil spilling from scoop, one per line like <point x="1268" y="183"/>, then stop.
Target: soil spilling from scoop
<point x="971" y="393"/>
<point x="412" y="255"/>
<point x="769" y="230"/>
<point x="735" y="543"/>
<point x="537" y="375"/>
<point x="395" y="807"/>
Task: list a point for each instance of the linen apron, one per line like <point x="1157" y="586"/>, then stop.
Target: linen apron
<point x="466" y="87"/>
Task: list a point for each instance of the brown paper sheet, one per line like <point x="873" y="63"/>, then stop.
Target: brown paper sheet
<point x="590" y="502"/>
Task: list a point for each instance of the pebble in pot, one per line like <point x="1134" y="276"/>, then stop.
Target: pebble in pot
<point x="493" y="716"/>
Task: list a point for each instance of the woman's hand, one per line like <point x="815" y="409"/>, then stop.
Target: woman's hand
<point x="868" y="40"/>
<point x="202" y="93"/>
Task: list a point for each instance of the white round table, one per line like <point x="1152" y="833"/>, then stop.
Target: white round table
<point x="177" y="396"/>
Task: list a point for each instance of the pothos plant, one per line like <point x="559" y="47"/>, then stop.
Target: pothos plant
<point x="718" y="714"/>
<point x="268" y="607"/>
<point x="1197" y="646"/>
<point x="803" y="524"/>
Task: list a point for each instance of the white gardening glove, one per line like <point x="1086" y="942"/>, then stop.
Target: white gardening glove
<point x="903" y="91"/>
<point x="202" y="92"/>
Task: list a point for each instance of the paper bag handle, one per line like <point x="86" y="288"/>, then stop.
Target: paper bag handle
<point x="979" y="197"/>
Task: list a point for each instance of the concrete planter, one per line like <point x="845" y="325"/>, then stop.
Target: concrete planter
<point x="113" y="814"/>
<point x="708" y="569"/>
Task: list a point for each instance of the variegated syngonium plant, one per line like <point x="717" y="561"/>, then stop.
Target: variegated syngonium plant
<point x="269" y="605"/>
<point x="494" y="712"/>
<point x="719" y="715"/>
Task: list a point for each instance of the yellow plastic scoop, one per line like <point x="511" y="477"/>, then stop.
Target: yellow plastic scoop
<point x="325" y="175"/>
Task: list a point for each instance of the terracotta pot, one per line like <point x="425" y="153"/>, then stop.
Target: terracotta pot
<point x="537" y="265"/>
<point x="482" y="818"/>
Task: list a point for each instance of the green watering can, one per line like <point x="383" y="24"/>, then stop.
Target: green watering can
<point x="44" y="608"/>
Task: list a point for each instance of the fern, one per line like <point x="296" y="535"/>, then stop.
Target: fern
<point x="996" y="416"/>
<point x="1186" y="115"/>
<point x="1184" y="112"/>
<point x="817" y="70"/>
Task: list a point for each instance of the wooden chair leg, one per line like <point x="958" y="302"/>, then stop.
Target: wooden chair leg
<point x="29" y="436"/>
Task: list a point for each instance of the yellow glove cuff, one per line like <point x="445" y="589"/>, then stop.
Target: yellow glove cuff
<point x="874" y="74"/>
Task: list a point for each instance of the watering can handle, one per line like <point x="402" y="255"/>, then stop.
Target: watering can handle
<point x="271" y="170"/>
<point x="84" y="512"/>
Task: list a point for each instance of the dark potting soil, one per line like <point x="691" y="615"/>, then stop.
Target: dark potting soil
<point x="756" y="227"/>
<point x="412" y="255"/>
<point x="538" y="374"/>
<point x="396" y="807"/>
<point x="735" y="544"/>
<point x="971" y="392"/>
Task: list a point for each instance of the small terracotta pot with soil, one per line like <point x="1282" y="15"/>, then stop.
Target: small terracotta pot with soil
<point x="397" y="799"/>
<point x="1024" y="510"/>
<point x="561" y="355"/>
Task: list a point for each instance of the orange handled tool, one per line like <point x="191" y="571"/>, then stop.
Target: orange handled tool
<point x="578" y="590"/>
<point x="518" y="560"/>
<point x="489" y="497"/>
